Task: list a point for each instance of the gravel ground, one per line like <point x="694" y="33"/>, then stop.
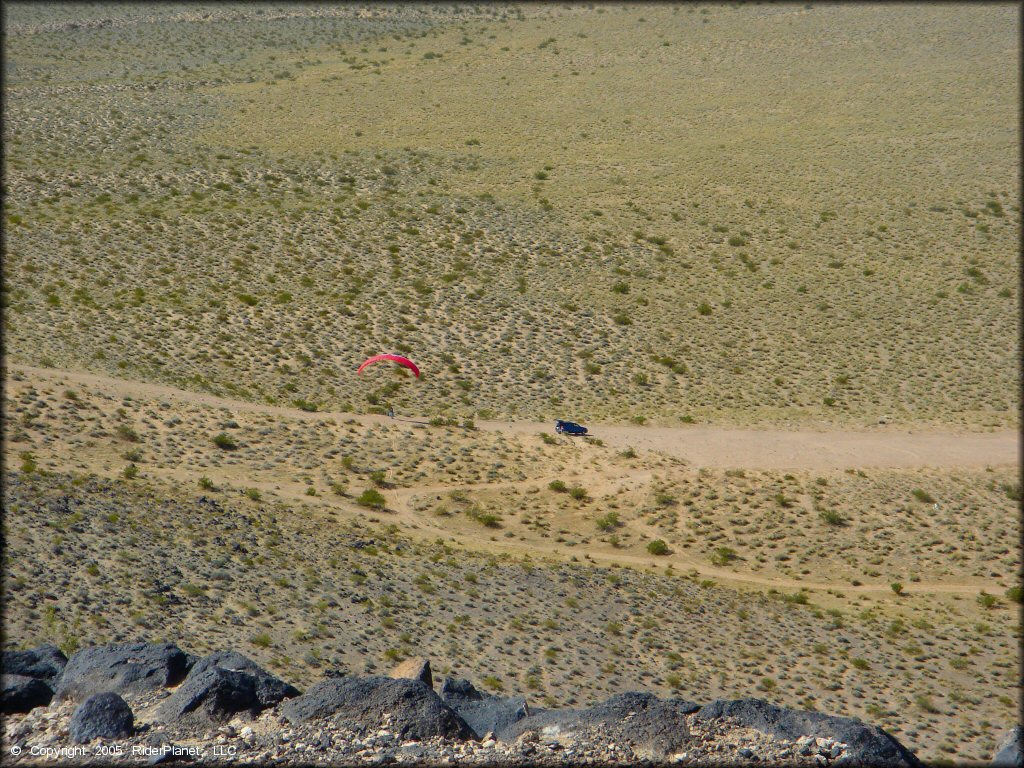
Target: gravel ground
<point x="42" y="737"/>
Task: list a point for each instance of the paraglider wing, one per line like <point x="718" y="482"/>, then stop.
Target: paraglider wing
<point x="405" y="361"/>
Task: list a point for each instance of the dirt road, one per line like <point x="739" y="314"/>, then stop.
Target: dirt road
<point x="701" y="446"/>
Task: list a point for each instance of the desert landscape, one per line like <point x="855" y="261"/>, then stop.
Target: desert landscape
<point x="768" y="254"/>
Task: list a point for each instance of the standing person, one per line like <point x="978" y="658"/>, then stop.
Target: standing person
<point x="391" y="411"/>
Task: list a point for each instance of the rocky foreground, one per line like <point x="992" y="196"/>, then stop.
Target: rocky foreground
<point x="146" y="703"/>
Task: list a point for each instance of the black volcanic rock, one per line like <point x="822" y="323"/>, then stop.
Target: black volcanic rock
<point x="416" y="711"/>
<point x="212" y="695"/>
<point x="23" y="694"/>
<point x="269" y="689"/>
<point x="1008" y="755"/>
<point x="44" y="663"/>
<point x="652" y="726"/>
<point x="121" y="668"/>
<point x="867" y="745"/>
<point x="483" y="712"/>
<point x="103" y="716"/>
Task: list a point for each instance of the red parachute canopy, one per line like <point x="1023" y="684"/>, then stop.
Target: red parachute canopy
<point x="394" y="358"/>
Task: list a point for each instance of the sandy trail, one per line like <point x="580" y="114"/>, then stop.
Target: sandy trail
<point x="701" y="446"/>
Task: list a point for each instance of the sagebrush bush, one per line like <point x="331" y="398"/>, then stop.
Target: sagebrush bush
<point x="657" y="547"/>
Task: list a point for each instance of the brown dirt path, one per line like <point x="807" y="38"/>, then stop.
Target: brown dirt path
<point x="716" y="447"/>
<point x="700" y="446"/>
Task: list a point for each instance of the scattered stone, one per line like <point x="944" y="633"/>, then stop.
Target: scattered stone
<point x="102" y="716"/>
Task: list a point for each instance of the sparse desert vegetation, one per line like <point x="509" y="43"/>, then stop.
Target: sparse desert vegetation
<point x="654" y="218"/>
<point x="249" y="203"/>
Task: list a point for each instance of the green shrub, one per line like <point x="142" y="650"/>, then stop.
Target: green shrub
<point x="558" y="486"/>
<point x="206" y="483"/>
<point x="487" y="519"/>
<point x="253" y="493"/>
<point x="608" y="522"/>
<point x="922" y="496"/>
<point x="371" y="497"/>
<point x="860" y="664"/>
<point x="248" y="299"/>
<point x="225" y="441"/>
<point x="723" y="556"/>
<point x="262" y="640"/>
<point x="130" y="472"/>
<point x="127" y="433"/>
<point x="658" y="547"/>
<point x="578" y="493"/>
<point x="925" y="704"/>
<point x="28" y="462"/>
<point x="494" y="683"/>
<point x="1013" y="594"/>
<point x="986" y="601"/>
<point x="832" y="517"/>
<point x="896" y="587"/>
<point x="704" y="308"/>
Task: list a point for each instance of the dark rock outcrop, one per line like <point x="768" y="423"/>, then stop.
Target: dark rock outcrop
<point x="23" y="694"/>
<point x="866" y="745"/>
<point x="122" y="667"/>
<point x="1008" y="754"/>
<point x="102" y="716"/>
<point x="213" y="695"/>
<point x="269" y="689"/>
<point x="483" y="712"/>
<point x="416" y="712"/>
<point x="43" y="663"/>
<point x="651" y="726"/>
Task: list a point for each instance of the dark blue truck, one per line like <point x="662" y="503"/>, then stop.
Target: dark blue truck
<point x="569" y="428"/>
